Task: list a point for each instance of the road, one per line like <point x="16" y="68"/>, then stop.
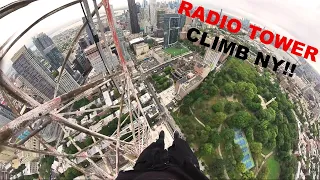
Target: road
<point x="163" y="110"/>
<point x="164" y="64"/>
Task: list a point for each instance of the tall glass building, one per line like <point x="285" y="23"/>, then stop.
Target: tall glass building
<point x="173" y="24"/>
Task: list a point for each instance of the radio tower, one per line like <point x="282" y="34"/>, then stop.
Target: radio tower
<point x="118" y="150"/>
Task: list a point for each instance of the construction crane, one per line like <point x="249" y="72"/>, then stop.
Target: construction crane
<point x="117" y="149"/>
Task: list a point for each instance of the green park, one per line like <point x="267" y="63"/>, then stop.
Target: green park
<point x="231" y="132"/>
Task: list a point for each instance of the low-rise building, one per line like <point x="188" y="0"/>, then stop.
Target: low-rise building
<point x="31" y="168"/>
<point x="151" y="111"/>
<point x="145" y="98"/>
<point x="141" y="48"/>
<point x="184" y="86"/>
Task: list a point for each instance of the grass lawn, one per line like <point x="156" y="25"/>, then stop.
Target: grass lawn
<point x="274" y="168"/>
<point x="174" y="51"/>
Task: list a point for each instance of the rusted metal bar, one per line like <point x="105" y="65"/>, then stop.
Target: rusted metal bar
<point x="16" y="5"/>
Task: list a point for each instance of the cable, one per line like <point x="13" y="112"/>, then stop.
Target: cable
<point x="95" y="38"/>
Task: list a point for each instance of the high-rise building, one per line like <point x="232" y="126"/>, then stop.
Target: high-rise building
<point x="160" y="19"/>
<point x="173" y="24"/>
<point x="97" y="62"/>
<point x="211" y="58"/>
<point x="25" y="156"/>
<point x="33" y="74"/>
<point x="138" y="6"/>
<point x="123" y="45"/>
<point x="42" y="41"/>
<point x="67" y="82"/>
<point x="144" y="3"/>
<point x="82" y="62"/>
<point x="153" y="13"/>
<point x="89" y="34"/>
<point x="135" y="28"/>
<point x="48" y="50"/>
<point x="245" y="24"/>
<point x="83" y="43"/>
<point x="6" y="115"/>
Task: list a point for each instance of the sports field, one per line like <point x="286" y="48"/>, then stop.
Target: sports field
<point x="175" y="51"/>
<point x="240" y="139"/>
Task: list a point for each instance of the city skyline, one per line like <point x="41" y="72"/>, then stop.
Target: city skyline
<point x="301" y="26"/>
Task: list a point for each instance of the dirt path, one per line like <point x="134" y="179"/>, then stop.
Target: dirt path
<point x="197" y="118"/>
<point x="220" y="154"/>
<point x="264" y="161"/>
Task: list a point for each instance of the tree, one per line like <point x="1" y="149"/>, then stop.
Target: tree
<point x="71" y="173"/>
<point x="248" y="175"/>
<point x="219" y="118"/>
<point x="218" y="107"/>
<point x="55" y="74"/>
<point x="241" y="168"/>
<point x="249" y="134"/>
<point x="204" y="136"/>
<point x="208" y="149"/>
<point x="256" y="148"/>
<point x="227" y="134"/>
<point x="167" y="70"/>
<point x="214" y="138"/>
<point x="45" y="166"/>
<point x="241" y="119"/>
<point x="228" y="89"/>
<point x="237" y="153"/>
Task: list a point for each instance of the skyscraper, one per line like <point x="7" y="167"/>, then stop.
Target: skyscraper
<point x="144" y="3"/>
<point x="6" y="115"/>
<point x="160" y="19"/>
<point x="82" y="62"/>
<point x="33" y="73"/>
<point x="153" y="13"/>
<point x="67" y="82"/>
<point x="135" y="28"/>
<point x="83" y="43"/>
<point x="97" y="62"/>
<point x="173" y="24"/>
<point x="89" y="34"/>
<point x="48" y="50"/>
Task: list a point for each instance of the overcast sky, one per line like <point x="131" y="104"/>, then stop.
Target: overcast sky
<point x="298" y="19"/>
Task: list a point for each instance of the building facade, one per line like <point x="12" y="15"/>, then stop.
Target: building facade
<point x="32" y="167"/>
<point x="88" y="31"/>
<point x="153" y="13"/>
<point x="26" y="156"/>
<point x="48" y="50"/>
<point x="185" y="85"/>
<point x="211" y="58"/>
<point x="6" y="115"/>
<point x="33" y="74"/>
<point x="135" y="28"/>
<point x="160" y="18"/>
<point x="67" y="83"/>
<point x="97" y="62"/>
<point x="173" y="24"/>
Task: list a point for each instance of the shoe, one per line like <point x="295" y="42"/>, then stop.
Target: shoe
<point x="161" y="135"/>
<point x="176" y="135"/>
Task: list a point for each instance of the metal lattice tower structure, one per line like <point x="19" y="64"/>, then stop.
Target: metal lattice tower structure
<point x="118" y="150"/>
